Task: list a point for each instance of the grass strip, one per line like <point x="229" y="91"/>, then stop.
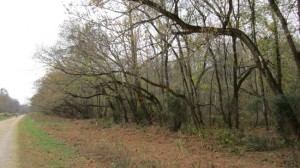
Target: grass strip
<point x="39" y="148"/>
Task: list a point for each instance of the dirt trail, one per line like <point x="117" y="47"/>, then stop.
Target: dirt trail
<point x="8" y="144"/>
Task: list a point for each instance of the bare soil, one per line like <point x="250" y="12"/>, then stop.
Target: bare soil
<point x="128" y="146"/>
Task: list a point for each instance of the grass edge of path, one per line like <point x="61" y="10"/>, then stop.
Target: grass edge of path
<point x="37" y="148"/>
<point x="5" y="116"/>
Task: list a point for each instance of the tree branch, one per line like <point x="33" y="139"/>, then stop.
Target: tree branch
<point x="233" y="32"/>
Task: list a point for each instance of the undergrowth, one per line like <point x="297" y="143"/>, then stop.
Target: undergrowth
<point x="238" y="142"/>
<point x="4" y="116"/>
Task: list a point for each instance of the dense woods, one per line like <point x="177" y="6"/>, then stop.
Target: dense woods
<point x="8" y="104"/>
<point x="178" y="64"/>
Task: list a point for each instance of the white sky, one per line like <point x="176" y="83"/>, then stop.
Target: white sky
<point x="24" y="26"/>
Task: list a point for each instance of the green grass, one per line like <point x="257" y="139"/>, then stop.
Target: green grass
<point x="49" y="152"/>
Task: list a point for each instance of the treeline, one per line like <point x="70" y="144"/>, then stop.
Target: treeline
<point x="8" y="104"/>
<point x="200" y="64"/>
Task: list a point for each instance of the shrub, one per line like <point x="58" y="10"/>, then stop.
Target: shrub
<point x="229" y="137"/>
<point x="176" y="108"/>
<point x="263" y="142"/>
<point x="257" y="143"/>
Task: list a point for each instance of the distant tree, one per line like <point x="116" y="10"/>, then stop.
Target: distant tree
<point x="8" y="104"/>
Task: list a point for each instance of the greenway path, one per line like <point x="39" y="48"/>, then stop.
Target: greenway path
<point x="8" y="144"/>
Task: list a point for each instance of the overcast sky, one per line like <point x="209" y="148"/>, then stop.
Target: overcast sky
<point x="25" y="25"/>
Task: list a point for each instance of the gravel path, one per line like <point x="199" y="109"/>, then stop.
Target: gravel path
<point x="8" y="144"/>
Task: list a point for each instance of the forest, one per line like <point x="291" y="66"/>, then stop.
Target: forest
<point x="179" y="64"/>
<point x="9" y="104"/>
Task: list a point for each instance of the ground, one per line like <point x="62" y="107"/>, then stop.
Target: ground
<point x="8" y="143"/>
<point x="104" y="144"/>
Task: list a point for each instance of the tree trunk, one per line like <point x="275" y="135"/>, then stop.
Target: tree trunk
<point x="252" y="5"/>
<point x="227" y="119"/>
<point x="298" y="5"/>
<point x="258" y="58"/>
<point x="288" y="35"/>
<point x="235" y="98"/>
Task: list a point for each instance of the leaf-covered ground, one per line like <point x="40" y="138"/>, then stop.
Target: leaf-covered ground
<point x="103" y="144"/>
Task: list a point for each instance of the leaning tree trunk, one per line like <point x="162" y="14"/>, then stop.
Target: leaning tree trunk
<point x="288" y="34"/>
<point x="261" y="64"/>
